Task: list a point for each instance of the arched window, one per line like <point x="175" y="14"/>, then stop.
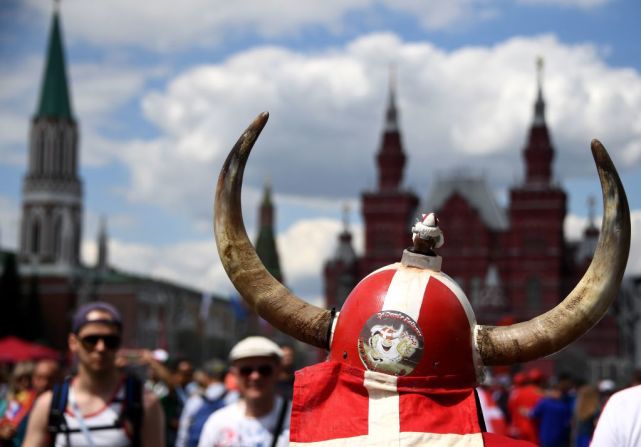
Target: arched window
<point x="35" y="237"/>
<point x="57" y="237"/>
<point x="40" y="152"/>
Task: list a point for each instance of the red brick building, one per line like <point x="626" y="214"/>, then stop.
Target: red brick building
<point x="513" y="263"/>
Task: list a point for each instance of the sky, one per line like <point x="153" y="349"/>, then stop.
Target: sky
<point x="161" y="91"/>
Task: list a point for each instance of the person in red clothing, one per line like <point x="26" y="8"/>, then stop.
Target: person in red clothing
<point x="524" y="397"/>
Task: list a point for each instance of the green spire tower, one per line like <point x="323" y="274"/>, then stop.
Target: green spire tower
<point x="51" y="223"/>
<point x="266" y="242"/>
<point x="54" y="96"/>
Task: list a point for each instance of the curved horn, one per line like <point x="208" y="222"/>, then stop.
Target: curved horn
<point x="590" y="299"/>
<point x="268" y="297"/>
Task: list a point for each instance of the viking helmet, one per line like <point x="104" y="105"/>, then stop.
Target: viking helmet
<point x="388" y="325"/>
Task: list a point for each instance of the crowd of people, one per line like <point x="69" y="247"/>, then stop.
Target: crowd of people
<point x="129" y="397"/>
<point x="559" y="411"/>
<point x="119" y="397"/>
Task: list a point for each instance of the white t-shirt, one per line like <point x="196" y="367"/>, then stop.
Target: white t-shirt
<point x="229" y="427"/>
<point x="620" y="422"/>
<point x="193" y="404"/>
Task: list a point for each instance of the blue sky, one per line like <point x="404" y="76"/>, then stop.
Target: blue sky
<point x="163" y="89"/>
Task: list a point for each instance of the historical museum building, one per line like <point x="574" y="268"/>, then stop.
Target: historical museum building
<point x="513" y="263"/>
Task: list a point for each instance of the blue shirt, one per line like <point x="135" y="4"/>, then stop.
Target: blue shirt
<point x="554" y="417"/>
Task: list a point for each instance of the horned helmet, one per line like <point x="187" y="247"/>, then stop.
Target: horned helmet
<point x="409" y="318"/>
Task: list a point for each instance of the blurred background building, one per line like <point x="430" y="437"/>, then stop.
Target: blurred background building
<point x="45" y="280"/>
<point x="513" y="263"/>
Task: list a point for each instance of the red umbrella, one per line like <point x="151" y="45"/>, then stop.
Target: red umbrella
<point x="14" y="349"/>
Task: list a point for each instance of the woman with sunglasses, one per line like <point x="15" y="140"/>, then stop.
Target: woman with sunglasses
<point x="95" y="412"/>
<point x="261" y="417"/>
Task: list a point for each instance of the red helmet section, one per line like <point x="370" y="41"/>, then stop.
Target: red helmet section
<point x="407" y="321"/>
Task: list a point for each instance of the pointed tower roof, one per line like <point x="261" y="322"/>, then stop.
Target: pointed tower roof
<point x="54" y="96"/>
<point x="539" y="153"/>
<point x="345" y="251"/>
<point x="539" y="105"/>
<point x="266" y="241"/>
<point x="391" y="157"/>
<point x="103" y="250"/>
<point x="391" y="116"/>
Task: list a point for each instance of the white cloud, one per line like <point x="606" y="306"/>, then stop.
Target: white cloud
<point x="443" y="14"/>
<point x="99" y="89"/>
<point x="307" y="245"/>
<point x="304" y="248"/>
<point x="193" y="264"/>
<point x="169" y="24"/>
<point x="98" y="92"/>
<point x="634" y="261"/>
<point x="575" y="225"/>
<point x="327" y="112"/>
<point x="9" y="223"/>
<point x="166" y="25"/>
<point x="17" y="105"/>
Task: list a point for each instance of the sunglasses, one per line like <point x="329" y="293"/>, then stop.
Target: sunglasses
<point x="110" y="341"/>
<point x="262" y="370"/>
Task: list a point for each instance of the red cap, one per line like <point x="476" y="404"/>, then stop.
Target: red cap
<point x="535" y="375"/>
<point x="519" y="379"/>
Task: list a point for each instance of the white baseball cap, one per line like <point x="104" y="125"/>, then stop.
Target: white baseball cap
<point x="606" y="386"/>
<point x="255" y="346"/>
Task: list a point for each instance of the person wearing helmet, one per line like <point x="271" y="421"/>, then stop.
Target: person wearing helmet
<point x="405" y="351"/>
<point x="260" y="417"/>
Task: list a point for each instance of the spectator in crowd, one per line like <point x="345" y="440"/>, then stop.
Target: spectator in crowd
<point x="620" y="422"/>
<point x="45" y="374"/>
<point x="200" y="381"/>
<point x="199" y="407"/>
<point x="158" y="375"/>
<point x="181" y="375"/>
<point x="606" y="388"/>
<point x="19" y="401"/>
<point x="286" y="377"/>
<point x="98" y="407"/>
<point x="586" y="413"/>
<point x="524" y="397"/>
<point x="4" y="384"/>
<point x="501" y="393"/>
<point x="553" y="416"/>
<point x="261" y="416"/>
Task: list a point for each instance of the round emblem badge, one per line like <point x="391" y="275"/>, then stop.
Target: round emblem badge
<point x="391" y="342"/>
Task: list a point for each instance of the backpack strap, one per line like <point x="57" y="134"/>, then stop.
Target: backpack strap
<point x="57" y="422"/>
<point x="133" y="407"/>
<point x="281" y="419"/>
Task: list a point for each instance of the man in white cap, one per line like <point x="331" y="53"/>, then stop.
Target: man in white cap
<point x="261" y="417"/>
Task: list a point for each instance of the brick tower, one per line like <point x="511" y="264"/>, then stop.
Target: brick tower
<point x="388" y="215"/>
<point x="390" y="211"/>
<point x="534" y="248"/>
